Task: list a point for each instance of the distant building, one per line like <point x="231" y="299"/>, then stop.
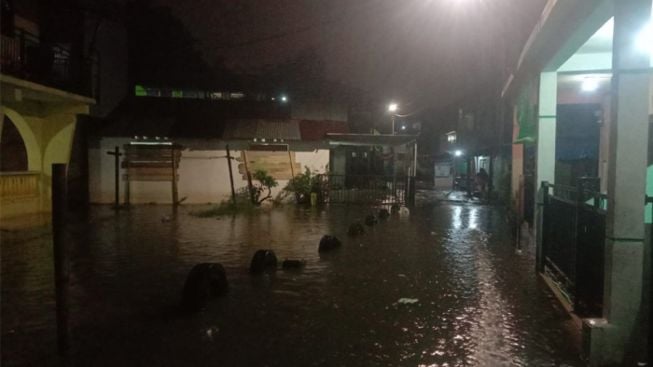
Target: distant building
<point x="259" y="135"/>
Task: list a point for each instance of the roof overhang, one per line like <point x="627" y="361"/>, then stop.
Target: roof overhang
<point x="563" y="28"/>
<point x="370" y="139"/>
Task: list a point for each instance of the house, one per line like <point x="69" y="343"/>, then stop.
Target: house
<point x="201" y="130"/>
<point x="582" y="104"/>
<point x="47" y="81"/>
<point x="172" y="145"/>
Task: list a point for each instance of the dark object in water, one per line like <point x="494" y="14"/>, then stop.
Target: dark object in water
<point x="328" y="243"/>
<point x="370" y="220"/>
<point x="356" y="229"/>
<point x="383" y="213"/>
<point x="394" y="209"/>
<point x="292" y="264"/>
<point x="262" y="260"/>
<point x="205" y="281"/>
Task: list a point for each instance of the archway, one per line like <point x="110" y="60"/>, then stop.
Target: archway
<point x="13" y="152"/>
<point x="32" y="147"/>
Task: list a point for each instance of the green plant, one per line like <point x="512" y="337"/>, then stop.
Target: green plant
<point x="304" y="184"/>
<point x="265" y="183"/>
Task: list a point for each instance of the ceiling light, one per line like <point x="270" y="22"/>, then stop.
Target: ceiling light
<point x="589" y="85"/>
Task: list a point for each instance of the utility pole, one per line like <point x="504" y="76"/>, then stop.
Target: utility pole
<point x="116" y="155"/>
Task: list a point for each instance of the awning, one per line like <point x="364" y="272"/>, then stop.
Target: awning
<point x="370" y="139"/>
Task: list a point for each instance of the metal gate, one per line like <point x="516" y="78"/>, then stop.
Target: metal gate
<point x="365" y="189"/>
<point x="573" y="244"/>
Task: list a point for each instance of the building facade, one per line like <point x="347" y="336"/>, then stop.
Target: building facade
<point x="47" y="81"/>
<point x="582" y="99"/>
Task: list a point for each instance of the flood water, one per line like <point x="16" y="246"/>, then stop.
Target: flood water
<point x="479" y="301"/>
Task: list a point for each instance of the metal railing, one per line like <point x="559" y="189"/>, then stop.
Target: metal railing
<point x="573" y="244"/>
<point x="19" y="185"/>
<point x="23" y="55"/>
<point x="369" y="189"/>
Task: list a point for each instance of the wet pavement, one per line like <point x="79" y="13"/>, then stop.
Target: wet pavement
<point x="479" y="301"/>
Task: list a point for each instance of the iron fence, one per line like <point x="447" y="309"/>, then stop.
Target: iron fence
<point x="573" y="244"/>
<point x="368" y="189"/>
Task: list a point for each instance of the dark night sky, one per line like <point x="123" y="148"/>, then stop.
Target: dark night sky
<point x="431" y="50"/>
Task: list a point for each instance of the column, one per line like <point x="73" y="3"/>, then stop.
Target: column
<point x="546" y="150"/>
<point x="546" y="127"/>
<point x="627" y="161"/>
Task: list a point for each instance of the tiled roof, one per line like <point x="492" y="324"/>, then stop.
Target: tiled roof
<point x="262" y="129"/>
<point x="317" y="130"/>
<point x="189" y="118"/>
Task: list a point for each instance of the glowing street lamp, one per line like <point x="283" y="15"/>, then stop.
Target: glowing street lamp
<point x="393" y="108"/>
<point x="458" y="153"/>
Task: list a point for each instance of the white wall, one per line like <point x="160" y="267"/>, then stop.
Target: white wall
<point x="203" y="175"/>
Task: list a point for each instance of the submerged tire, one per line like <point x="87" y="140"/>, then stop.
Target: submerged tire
<point x="204" y="282"/>
<point x="356" y="229"/>
<point x="384" y="214"/>
<point x="370" y="220"/>
<point x="263" y="260"/>
<point x="328" y="243"/>
<point x="394" y="209"/>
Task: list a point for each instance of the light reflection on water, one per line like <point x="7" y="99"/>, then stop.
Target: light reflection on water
<point x="479" y="302"/>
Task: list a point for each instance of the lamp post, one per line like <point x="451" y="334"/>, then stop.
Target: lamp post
<point x="393" y="108"/>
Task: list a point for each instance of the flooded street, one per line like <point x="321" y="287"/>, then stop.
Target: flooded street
<point x="479" y="302"/>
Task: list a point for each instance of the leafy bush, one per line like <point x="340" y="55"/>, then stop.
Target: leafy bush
<point x="304" y="184"/>
<point x="265" y="182"/>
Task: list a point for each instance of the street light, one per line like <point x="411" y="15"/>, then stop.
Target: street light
<point x="393" y="108"/>
<point x="458" y="153"/>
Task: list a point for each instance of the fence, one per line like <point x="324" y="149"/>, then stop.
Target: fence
<point x="368" y="189"/>
<point x="23" y="55"/>
<point x="573" y="243"/>
<point x="19" y="185"/>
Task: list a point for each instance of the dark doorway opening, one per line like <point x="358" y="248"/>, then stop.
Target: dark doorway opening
<point x="13" y="153"/>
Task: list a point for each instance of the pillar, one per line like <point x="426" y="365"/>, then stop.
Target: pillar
<point x="546" y="150"/>
<point x="546" y="127"/>
<point x="622" y="340"/>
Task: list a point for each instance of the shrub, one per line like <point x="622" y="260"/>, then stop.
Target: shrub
<point x="304" y="184"/>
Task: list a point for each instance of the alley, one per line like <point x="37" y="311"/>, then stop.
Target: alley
<point x="479" y="301"/>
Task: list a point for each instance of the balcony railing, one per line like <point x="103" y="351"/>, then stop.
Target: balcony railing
<point x="23" y="55"/>
<point x="19" y="185"/>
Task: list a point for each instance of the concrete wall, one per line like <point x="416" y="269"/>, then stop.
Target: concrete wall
<point x="203" y="175"/>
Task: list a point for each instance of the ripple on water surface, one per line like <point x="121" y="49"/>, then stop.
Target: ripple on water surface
<point x="478" y="303"/>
